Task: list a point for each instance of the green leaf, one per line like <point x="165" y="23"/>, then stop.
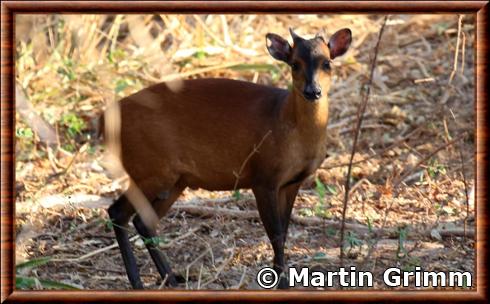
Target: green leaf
<point x="153" y="241"/>
<point x="352" y="240"/>
<point x="320" y="189"/>
<point x="109" y="224"/>
<point x="32" y="263"/>
<point x="237" y="195"/>
<point x="74" y="124"/>
<point x="370" y="224"/>
<point x="402" y="237"/>
<point x="331" y="232"/>
<point x="24" y="133"/>
<point x="332" y="189"/>
<point x="200" y="54"/>
<point x="116" y="55"/>
<point x="306" y="212"/>
<point x="22" y="282"/>
<point x="319" y="256"/>
<point x="121" y="84"/>
<point x="25" y="282"/>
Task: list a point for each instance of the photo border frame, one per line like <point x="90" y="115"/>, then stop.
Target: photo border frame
<point x="7" y="274"/>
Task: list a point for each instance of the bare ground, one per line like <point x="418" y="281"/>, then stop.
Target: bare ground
<point x="412" y="112"/>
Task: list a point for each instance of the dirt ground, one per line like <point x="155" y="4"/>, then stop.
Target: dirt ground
<point x="412" y="118"/>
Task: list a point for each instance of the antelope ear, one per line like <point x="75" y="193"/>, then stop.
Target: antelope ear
<point x="339" y="43"/>
<point x="278" y="47"/>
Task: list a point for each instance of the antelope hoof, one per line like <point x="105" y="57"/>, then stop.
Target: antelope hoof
<point x="283" y="283"/>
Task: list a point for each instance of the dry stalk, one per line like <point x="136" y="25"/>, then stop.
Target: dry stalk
<point x="82" y="149"/>
<point x="465" y="190"/>
<point x="242" y="278"/>
<point x="456" y="52"/>
<point x="179" y="238"/>
<point x="97" y="251"/>
<point x="208" y="31"/>
<point x="163" y="282"/>
<point x="242" y="167"/>
<point x="463" y="172"/>
<point x="221" y="268"/>
<point x="463" y="46"/>
<point x="190" y="265"/>
<point x="360" y="114"/>
<point x="200" y="275"/>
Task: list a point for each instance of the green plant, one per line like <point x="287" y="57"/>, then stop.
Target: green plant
<point x="73" y="123"/>
<point x="26" y="282"/>
<point x="109" y="224"/>
<point x="435" y="169"/>
<point x="352" y="240"/>
<point x="306" y="212"/>
<point x="67" y="70"/>
<point x="237" y="195"/>
<point x="439" y="208"/>
<point x="24" y="133"/>
<point x="331" y="232"/>
<point x="320" y="207"/>
<point x="25" y="143"/>
<point x="156" y="240"/>
<point x="331" y="189"/>
<point x="122" y="84"/>
<point x="116" y="55"/>
<point x="369" y="224"/>
<point x="402" y="237"/>
<point x="319" y="256"/>
<point x="201" y="54"/>
<point x="320" y="189"/>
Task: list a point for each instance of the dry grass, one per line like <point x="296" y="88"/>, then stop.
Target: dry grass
<point x="71" y="66"/>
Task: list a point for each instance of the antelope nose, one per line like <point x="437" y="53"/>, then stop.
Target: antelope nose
<point x="312" y="92"/>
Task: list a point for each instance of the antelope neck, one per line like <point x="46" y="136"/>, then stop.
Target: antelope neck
<point x="305" y="114"/>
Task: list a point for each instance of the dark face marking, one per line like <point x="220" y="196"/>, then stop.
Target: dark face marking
<point x="310" y="59"/>
<point x="310" y="63"/>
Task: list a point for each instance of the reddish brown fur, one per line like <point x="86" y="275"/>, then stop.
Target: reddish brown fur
<point x="207" y="131"/>
<point x="201" y="135"/>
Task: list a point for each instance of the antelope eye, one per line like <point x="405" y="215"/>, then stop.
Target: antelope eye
<point x="295" y="66"/>
<point x="326" y="65"/>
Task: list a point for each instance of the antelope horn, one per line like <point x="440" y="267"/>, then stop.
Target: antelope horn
<point x="294" y="35"/>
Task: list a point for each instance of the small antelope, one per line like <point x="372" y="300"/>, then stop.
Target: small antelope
<point x="202" y="135"/>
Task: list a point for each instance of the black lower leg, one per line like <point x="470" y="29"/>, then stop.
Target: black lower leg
<point x="279" y="264"/>
<point x="120" y="212"/>
<point x="155" y="253"/>
<point x="287" y="196"/>
<point x="267" y="202"/>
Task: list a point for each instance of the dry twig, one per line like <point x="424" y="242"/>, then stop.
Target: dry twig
<point x="455" y="65"/>
<point x="242" y="167"/>
<point x="208" y="212"/>
<point x="360" y="114"/>
<point x="221" y="268"/>
<point x="90" y="254"/>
